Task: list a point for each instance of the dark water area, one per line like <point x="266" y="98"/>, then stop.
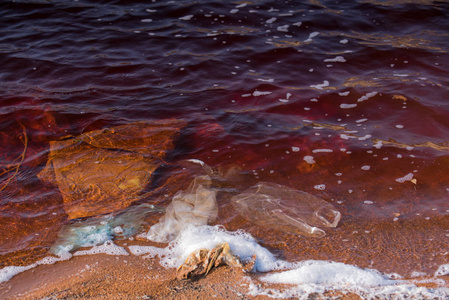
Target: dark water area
<point x="347" y="101"/>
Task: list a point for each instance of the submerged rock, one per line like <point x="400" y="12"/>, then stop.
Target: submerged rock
<point x="106" y="170"/>
<point x="282" y="208"/>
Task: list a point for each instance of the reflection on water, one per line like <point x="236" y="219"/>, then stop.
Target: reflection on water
<point x="343" y="101"/>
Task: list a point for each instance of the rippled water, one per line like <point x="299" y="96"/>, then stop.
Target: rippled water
<point x="347" y="101"/>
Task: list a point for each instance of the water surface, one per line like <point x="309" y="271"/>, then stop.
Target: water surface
<point x="347" y="101"/>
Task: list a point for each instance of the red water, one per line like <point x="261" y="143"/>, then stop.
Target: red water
<point x="368" y="81"/>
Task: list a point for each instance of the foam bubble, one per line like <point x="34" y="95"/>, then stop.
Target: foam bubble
<point x="259" y="93"/>
<point x="405" y="178"/>
<point x="309" y="159"/>
<point x="283" y="28"/>
<point x="312" y="35"/>
<point x="266" y="80"/>
<point x="335" y="59"/>
<point x="320" y="86"/>
<point x="367" y="96"/>
<point x="322" y="150"/>
<point x="197" y="161"/>
<point x="347" y="106"/>
<point x="320" y="187"/>
<point x="378" y="145"/>
<point x="442" y="270"/>
<point x="186" y="18"/>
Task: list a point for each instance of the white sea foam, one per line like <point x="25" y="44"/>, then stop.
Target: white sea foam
<point x="142" y="250"/>
<point x="320" y="86"/>
<point x="107" y="248"/>
<point x="259" y="93"/>
<point x="367" y="96"/>
<point x="365" y="137"/>
<point x="442" y="270"/>
<point x="309" y="159"/>
<point x="405" y="178"/>
<point x="320" y="187"/>
<point x="312" y="35"/>
<point x="378" y="145"/>
<point x="186" y="18"/>
<point x="283" y="28"/>
<point x="208" y="237"/>
<point x="266" y="80"/>
<point x="329" y="273"/>
<point x="335" y="59"/>
<point x="322" y="150"/>
<point x="9" y="272"/>
<point x="347" y="106"/>
<point x="312" y="277"/>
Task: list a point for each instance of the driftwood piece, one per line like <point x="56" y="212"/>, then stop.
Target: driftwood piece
<point x="201" y="261"/>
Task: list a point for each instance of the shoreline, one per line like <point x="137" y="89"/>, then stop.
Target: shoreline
<point x="136" y="277"/>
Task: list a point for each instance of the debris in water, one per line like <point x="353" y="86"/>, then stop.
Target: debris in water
<point x="282" y="208"/>
<point x="197" y="205"/>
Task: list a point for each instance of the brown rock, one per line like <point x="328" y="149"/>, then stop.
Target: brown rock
<point x="106" y="170"/>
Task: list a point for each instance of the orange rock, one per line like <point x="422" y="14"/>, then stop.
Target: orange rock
<point x="106" y="170"/>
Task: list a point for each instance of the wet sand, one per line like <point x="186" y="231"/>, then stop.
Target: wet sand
<point x="126" y="277"/>
<point x="104" y="276"/>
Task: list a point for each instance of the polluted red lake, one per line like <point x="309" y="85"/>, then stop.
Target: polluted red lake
<point x="344" y="101"/>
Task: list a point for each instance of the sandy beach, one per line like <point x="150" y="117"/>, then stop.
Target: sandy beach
<point x="104" y="276"/>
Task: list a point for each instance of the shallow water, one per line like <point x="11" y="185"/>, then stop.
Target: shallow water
<point x="344" y="101"/>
